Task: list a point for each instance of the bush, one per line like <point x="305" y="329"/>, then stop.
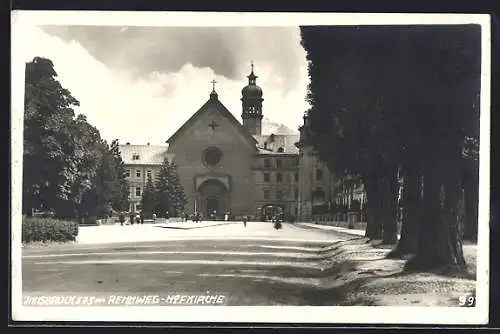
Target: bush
<point x="48" y="229"/>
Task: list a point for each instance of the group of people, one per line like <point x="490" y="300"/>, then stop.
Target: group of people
<point x="138" y="218"/>
<point x="134" y="218"/>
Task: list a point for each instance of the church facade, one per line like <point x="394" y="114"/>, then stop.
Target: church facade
<point x="228" y="166"/>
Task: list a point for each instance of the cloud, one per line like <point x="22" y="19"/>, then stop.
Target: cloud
<point x="138" y="90"/>
<point x="227" y="50"/>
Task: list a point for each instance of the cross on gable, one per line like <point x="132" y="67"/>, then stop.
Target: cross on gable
<point x="213" y="84"/>
<point x="213" y="125"/>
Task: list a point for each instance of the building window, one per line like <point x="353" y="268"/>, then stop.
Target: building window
<point x="319" y="175"/>
<point x="135" y="157"/>
<point x="267" y="194"/>
<point x="295" y="193"/>
<point x="279" y="177"/>
<point x="138" y="173"/>
<point x="296" y="177"/>
<point x="138" y="191"/>
<point x="148" y="173"/>
<point x="280" y="149"/>
<point x="279" y="195"/>
<point x="266" y="177"/>
<point x="265" y="145"/>
<point x="127" y="173"/>
<point x="267" y="162"/>
<point x="279" y="163"/>
<point x="138" y="207"/>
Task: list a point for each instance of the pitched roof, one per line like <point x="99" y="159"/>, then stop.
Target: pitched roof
<point x="269" y="144"/>
<point x="148" y="154"/>
<point x="213" y="101"/>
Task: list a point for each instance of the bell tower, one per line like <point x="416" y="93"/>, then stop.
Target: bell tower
<point x="252" y="105"/>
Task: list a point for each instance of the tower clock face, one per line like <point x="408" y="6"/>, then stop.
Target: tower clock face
<point x="212" y="156"/>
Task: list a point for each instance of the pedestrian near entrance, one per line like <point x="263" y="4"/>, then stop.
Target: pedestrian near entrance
<point x="132" y="218"/>
<point x="154" y="217"/>
<point x="142" y="217"/>
<point x="245" y="219"/>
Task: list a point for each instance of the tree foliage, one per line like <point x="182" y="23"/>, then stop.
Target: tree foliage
<point x="399" y="100"/>
<point x="67" y="166"/>
<point x="148" y="199"/>
<point x="170" y="196"/>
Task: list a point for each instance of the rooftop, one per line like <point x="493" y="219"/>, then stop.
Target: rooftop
<point x="144" y="154"/>
<point x="277" y="144"/>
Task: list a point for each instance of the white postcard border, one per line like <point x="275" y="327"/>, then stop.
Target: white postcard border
<point x="262" y="314"/>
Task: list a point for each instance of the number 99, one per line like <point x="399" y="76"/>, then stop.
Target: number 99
<point x="466" y="300"/>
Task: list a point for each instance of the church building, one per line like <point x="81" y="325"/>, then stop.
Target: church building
<point x="228" y="166"/>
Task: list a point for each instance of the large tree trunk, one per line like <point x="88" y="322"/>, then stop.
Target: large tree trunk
<point x="439" y="241"/>
<point x="471" y="190"/>
<point x="389" y="207"/>
<point x="373" y="223"/>
<point x="411" y="214"/>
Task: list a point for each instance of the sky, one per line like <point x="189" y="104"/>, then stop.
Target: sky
<point x="140" y="84"/>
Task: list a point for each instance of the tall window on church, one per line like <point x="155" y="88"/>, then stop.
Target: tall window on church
<point x="148" y="173"/>
<point x="138" y="173"/>
<point x="279" y="195"/>
<point x="319" y="174"/>
<point x="267" y="162"/>
<point x="279" y="163"/>
<point x="138" y="191"/>
<point x="279" y="177"/>
<point x="267" y="178"/>
<point x="267" y="194"/>
<point x="127" y="173"/>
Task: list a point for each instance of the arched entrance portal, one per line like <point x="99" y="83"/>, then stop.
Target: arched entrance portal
<point x="213" y="197"/>
<point x="268" y="212"/>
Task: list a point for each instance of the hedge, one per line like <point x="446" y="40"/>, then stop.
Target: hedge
<point x="48" y="229"/>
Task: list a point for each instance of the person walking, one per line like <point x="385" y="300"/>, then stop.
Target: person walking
<point x="245" y="219"/>
<point x="122" y="218"/>
<point x="277" y="223"/>
<point x="154" y="217"/>
<point x="132" y="218"/>
<point x="141" y="216"/>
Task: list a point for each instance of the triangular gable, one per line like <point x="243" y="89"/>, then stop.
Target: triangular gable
<point x="223" y="111"/>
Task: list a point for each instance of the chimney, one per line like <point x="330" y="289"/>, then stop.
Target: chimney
<point x="127" y="143"/>
<point x="148" y="144"/>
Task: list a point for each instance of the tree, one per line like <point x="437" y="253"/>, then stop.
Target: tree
<point x="179" y="198"/>
<point x="148" y="198"/>
<point x="351" y="113"/>
<point x="163" y="198"/>
<point x="120" y="198"/>
<point x="67" y="166"/>
<point x="365" y="121"/>
<point x="49" y="159"/>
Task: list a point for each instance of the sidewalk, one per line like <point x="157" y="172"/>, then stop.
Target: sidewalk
<point x="334" y="228"/>
<point x="337" y="228"/>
